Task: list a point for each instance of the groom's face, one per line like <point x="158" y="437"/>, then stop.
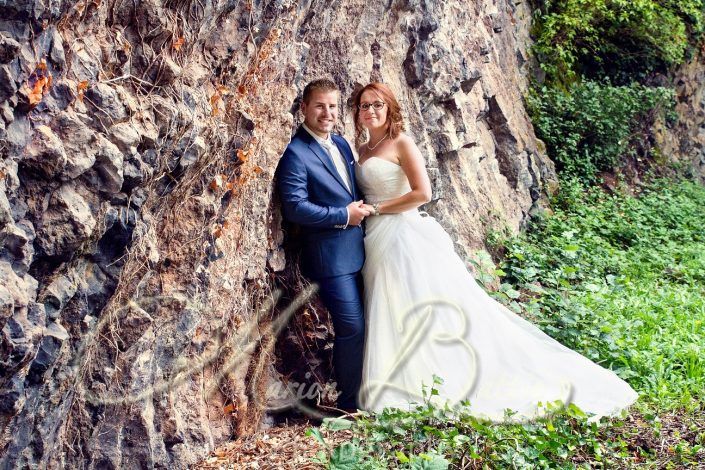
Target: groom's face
<point x="321" y="111"/>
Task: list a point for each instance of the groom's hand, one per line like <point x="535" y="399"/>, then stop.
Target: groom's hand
<point x="357" y="212"/>
<point x="369" y="208"/>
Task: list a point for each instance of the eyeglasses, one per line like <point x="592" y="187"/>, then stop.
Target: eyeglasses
<point x="377" y="105"/>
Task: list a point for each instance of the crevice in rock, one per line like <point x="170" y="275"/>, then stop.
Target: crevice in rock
<point x="505" y="142"/>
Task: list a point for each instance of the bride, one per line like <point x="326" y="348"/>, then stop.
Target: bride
<point x="427" y="316"/>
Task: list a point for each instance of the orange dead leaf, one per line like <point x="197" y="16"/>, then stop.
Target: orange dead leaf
<point x="81" y="89"/>
<point x="242" y="155"/>
<point x="217" y="182"/>
<point x="258" y="169"/>
<point x="241" y="89"/>
<point x="229" y="185"/>
<point x="216" y="100"/>
<point x="40" y="88"/>
<point x="42" y="65"/>
<point x="218" y="231"/>
<point x="226" y="224"/>
<point x="229" y="408"/>
<point x="216" y="104"/>
<point x="178" y="43"/>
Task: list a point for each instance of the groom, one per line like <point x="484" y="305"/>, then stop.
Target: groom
<point x="316" y="183"/>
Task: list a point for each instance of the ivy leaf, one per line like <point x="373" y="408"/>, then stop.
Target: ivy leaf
<point x="337" y="424"/>
<point x="345" y="457"/>
<point x="429" y="462"/>
<point x="316" y="434"/>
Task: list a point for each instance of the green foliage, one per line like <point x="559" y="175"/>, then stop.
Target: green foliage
<point x="614" y="38"/>
<point x="433" y="437"/>
<point x="588" y="128"/>
<point x="439" y="438"/>
<point x="622" y="280"/>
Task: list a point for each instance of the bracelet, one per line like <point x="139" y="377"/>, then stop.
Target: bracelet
<point x="376" y="209"/>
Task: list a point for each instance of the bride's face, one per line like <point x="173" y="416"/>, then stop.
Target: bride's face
<point x="373" y="118"/>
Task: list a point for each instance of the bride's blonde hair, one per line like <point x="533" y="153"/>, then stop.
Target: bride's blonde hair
<point x="395" y="121"/>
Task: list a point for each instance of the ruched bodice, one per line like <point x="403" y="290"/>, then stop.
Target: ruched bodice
<point x="381" y="180"/>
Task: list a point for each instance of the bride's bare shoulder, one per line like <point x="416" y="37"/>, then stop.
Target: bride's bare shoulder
<point x="405" y="143"/>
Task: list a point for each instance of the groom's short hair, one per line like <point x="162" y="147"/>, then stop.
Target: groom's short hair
<point x="322" y="84"/>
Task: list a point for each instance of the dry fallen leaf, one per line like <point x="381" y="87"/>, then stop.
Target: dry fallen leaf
<point x="216" y="104"/>
<point x="178" y="43"/>
<point x="216" y="100"/>
<point x="242" y="155"/>
<point x="217" y="182"/>
<point x="40" y="88"/>
<point x="81" y="88"/>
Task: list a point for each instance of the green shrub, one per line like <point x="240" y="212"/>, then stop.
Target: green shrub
<point x="588" y="128"/>
<point x="623" y="39"/>
<point x="621" y="279"/>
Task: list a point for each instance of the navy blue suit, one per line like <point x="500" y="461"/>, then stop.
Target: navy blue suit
<point x="314" y="197"/>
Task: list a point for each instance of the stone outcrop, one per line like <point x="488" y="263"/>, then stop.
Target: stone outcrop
<point x="140" y="240"/>
<point x="684" y="140"/>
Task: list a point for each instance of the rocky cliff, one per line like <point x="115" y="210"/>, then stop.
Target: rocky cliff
<point x="684" y="140"/>
<point x="141" y="243"/>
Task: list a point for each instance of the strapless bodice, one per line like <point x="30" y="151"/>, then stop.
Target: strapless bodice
<point x="381" y="180"/>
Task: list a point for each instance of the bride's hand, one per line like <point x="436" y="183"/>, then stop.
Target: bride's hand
<point x="369" y="208"/>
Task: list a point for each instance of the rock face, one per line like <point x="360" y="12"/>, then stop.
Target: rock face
<point x="684" y="140"/>
<point x="141" y="242"/>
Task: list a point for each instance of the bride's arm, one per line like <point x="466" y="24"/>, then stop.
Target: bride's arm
<point x="412" y="163"/>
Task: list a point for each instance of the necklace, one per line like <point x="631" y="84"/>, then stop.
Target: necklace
<point x="375" y="145"/>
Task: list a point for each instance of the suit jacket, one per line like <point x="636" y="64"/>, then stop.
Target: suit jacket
<point x="314" y="197"/>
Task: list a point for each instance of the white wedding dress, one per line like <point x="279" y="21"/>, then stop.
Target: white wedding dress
<point x="426" y="316"/>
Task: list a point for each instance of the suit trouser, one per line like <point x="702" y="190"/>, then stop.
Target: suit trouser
<point x="342" y="296"/>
